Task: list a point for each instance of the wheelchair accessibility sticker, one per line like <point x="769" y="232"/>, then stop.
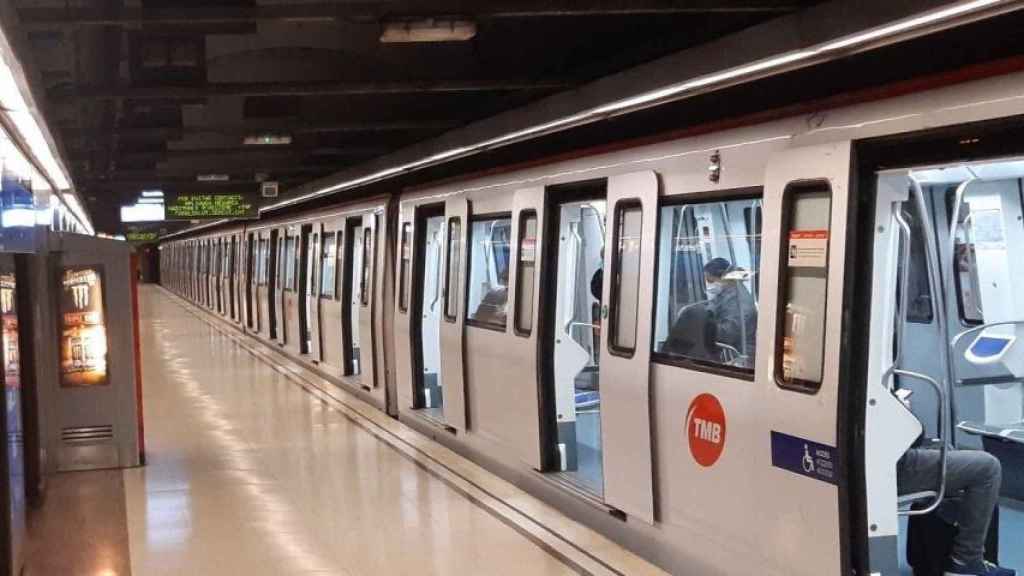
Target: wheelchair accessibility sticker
<point x="805" y="457"/>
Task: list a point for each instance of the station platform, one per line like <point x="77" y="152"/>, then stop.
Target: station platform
<point x="256" y="466"/>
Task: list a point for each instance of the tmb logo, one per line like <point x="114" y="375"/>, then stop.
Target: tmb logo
<point x="705" y="428"/>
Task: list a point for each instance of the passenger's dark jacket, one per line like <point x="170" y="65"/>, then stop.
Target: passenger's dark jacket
<point x="735" y="317"/>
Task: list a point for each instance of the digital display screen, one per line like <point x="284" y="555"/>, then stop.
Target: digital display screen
<point x="83" y="340"/>
<point x="141" y="236"/>
<point x="200" y="206"/>
<point x="988" y="346"/>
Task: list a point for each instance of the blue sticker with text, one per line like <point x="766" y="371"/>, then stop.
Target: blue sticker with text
<point x="805" y="457"/>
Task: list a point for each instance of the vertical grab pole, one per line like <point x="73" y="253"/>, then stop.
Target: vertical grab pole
<point x="937" y="288"/>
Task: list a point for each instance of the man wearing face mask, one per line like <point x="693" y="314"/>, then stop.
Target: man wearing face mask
<point x="731" y="307"/>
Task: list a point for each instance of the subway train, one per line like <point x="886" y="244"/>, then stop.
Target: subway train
<point x="713" y="347"/>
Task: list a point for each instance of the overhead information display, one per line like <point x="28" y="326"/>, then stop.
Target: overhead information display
<point x="139" y="236"/>
<point x="200" y="206"/>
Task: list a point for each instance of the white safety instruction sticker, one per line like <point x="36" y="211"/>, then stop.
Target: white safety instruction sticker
<point x="808" y="248"/>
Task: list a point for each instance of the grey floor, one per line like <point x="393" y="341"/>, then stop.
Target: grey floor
<point x="84" y="518"/>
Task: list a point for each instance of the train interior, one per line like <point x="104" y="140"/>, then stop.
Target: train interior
<point x="947" y="237"/>
<point x="709" y="319"/>
<point x="576" y="349"/>
<point x="431" y="246"/>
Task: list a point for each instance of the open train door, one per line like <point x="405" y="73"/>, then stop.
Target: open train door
<point x="453" y="317"/>
<point x="630" y="243"/>
<point x="799" y="364"/>
<point x="367" y="335"/>
<point x="313" y="286"/>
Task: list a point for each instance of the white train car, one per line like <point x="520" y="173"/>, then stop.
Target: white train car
<point x="697" y="346"/>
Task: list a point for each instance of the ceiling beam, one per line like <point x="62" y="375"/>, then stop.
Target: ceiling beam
<point x="71" y="132"/>
<point x="257" y="153"/>
<point x="370" y="11"/>
<point x="80" y="93"/>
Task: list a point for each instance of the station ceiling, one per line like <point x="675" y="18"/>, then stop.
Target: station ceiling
<point x="147" y="94"/>
<point x="153" y="93"/>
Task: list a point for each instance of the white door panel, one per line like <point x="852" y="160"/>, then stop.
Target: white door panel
<point x="452" y="327"/>
<point x="626" y="344"/>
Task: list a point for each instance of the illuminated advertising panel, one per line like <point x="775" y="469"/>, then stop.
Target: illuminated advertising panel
<point x="83" y="340"/>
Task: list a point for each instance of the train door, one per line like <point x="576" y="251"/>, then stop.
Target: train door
<point x="290" y="330"/>
<point x="573" y="338"/>
<point x="799" y="373"/>
<point x="367" y="285"/>
<point x="426" y="309"/>
<point x="452" y="329"/>
<point x="276" y="274"/>
<point x="597" y="369"/>
<point x="233" y="284"/>
<point x="279" y="322"/>
<point x="353" y="265"/>
<point x="329" y="311"/>
<point x="944" y="379"/>
<point x="311" y="301"/>
<point x="220" y="278"/>
<point x="251" y="281"/>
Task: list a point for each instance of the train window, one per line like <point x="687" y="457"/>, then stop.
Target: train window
<point x="973" y="226"/>
<point x="403" y="268"/>
<point x="800" y="331"/>
<point x="328" y="265"/>
<point x="625" y="296"/>
<point x="451" y="298"/>
<point x="366" y="285"/>
<point x="263" y="262"/>
<point x="526" y="272"/>
<point x="289" y="263"/>
<point x="919" y="298"/>
<point x="708" y="274"/>
<point x="489" y="255"/>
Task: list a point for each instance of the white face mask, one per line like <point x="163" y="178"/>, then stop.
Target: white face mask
<point x="714" y="289"/>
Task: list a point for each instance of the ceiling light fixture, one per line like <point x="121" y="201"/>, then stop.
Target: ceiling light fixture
<point x="152" y="193"/>
<point x="268" y="140"/>
<point x="212" y="177"/>
<point x="428" y="30"/>
<point x="776" y="63"/>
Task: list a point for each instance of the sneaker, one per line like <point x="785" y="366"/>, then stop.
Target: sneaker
<point x="977" y="568"/>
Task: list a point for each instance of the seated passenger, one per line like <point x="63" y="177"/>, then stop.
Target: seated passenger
<point x="732" y="306"/>
<point x="692" y="334"/>
<point x="491" y="309"/>
<point x="978" y="476"/>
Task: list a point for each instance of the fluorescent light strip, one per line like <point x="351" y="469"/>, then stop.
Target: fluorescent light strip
<point x="662" y="94"/>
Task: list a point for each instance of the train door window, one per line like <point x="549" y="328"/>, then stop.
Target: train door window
<point x="366" y="269"/>
<point x="453" y="264"/>
<point x="976" y="223"/>
<point x="525" y="274"/>
<point x="625" y="294"/>
<point x="289" y="264"/>
<point x="575" y="342"/>
<point x="800" y="334"/>
<point x="403" y="266"/>
<point x="427" y="316"/>
<point x="919" y="298"/>
<point x="708" y="270"/>
<point x="328" y="265"/>
<point x="489" y="264"/>
<point x="353" y="274"/>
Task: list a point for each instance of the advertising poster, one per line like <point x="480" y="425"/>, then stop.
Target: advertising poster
<point x="9" y="318"/>
<point x="83" y="340"/>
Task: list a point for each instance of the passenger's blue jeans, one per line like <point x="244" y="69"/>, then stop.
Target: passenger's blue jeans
<point x="977" y="474"/>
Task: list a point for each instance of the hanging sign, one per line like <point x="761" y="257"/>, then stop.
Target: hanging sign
<point x="83" y="344"/>
<point x="808" y="248"/>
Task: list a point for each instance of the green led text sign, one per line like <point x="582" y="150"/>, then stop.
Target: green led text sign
<point x="199" y="206"/>
<point x="141" y="236"/>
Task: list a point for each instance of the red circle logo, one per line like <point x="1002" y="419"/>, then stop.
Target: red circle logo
<point x="705" y="428"/>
